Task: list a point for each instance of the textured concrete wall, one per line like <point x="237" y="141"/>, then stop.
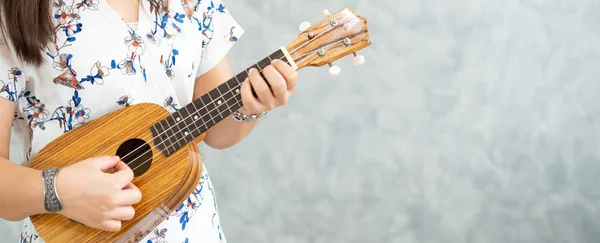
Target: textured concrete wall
<point x="471" y="121"/>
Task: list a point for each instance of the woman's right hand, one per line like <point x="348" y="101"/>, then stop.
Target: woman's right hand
<point x="95" y="198"/>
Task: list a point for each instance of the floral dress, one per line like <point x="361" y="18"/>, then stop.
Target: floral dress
<point x="98" y="63"/>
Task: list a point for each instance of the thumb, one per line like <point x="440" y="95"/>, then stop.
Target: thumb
<point x="123" y="173"/>
<point x="106" y="162"/>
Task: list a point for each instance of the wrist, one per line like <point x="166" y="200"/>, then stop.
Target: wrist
<point x="36" y="179"/>
<point x="245" y="116"/>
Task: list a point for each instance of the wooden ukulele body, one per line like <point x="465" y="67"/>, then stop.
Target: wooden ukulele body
<point x="165" y="182"/>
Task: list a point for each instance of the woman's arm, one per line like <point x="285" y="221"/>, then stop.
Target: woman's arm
<point x="280" y="77"/>
<point x="21" y="188"/>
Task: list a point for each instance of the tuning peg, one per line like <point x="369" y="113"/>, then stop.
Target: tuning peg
<point x="326" y="12"/>
<point x="334" y="70"/>
<point x="358" y="59"/>
<point x="304" y="26"/>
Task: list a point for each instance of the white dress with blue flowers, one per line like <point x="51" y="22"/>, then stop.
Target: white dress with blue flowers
<point x="98" y="63"/>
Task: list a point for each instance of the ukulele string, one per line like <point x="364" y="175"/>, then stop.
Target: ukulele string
<point x="175" y="125"/>
<point x="193" y="113"/>
<point x="290" y="52"/>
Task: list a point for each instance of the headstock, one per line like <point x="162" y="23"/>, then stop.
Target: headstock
<point x="338" y="35"/>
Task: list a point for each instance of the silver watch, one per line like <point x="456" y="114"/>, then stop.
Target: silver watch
<point x="236" y="115"/>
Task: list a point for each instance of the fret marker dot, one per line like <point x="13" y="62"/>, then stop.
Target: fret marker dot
<point x="196" y="117"/>
<point x="186" y="133"/>
<point x="178" y="119"/>
<point x="219" y="102"/>
<point x="237" y="90"/>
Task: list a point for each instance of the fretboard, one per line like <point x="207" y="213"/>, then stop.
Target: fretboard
<point x="192" y="120"/>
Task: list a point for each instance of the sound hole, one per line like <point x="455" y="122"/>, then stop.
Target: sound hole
<point x="137" y="154"/>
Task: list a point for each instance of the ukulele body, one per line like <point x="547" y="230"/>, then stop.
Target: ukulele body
<point x="165" y="182"/>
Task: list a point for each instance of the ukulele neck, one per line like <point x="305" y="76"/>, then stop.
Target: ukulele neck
<point x="192" y="120"/>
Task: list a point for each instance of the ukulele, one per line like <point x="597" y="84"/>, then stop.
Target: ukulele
<point x="162" y="148"/>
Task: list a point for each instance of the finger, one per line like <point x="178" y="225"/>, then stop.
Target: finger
<point x="262" y="89"/>
<point x="277" y="83"/>
<point x="248" y="99"/>
<point x="111" y="225"/>
<point x="123" y="174"/>
<point x="289" y="74"/>
<point x="106" y="162"/>
<point x="130" y="195"/>
<point x="122" y="213"/>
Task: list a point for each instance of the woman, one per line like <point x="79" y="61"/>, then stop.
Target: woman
<point x="71" y="61"/>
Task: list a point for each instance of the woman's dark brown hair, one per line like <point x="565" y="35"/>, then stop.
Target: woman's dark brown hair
<point x="27" y="25"/>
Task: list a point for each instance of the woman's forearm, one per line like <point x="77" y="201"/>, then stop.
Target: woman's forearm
<point x="228" y="132"/>
<point x="21" y="191"/>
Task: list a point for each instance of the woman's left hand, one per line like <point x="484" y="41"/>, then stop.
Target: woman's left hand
<point x="281" y="78"/>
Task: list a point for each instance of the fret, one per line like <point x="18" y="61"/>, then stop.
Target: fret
<point x="195" y="119"/>
<point x="241" y="77"/>
<point x="228" y="96"/>
<point x="214" y="106"/>
<point x="157" y="138"/>
<point x="160" y="139"/>
<point x="198" y="114"/>
<point x="232" y="103"/>
<point x="177" y="134"/>
<point x="205" y="99"/>
<point x="172" y="133"/>
<point x="210" y="107"/>
<point x="178" y="126"/>
<point x="165" y="136"/>
<point x="169" y="133"/>
<point x="264" y="63"/>
<point x="234" y="86"/>
<point x="259" y="68"/>
<point x="205" y="108"/>
<point x="224" y="89"/>
<point x="183" y="125"/>
<point x="238" y="103"/>
<point x="214" y="95"/>
<point x="284" y="59"/>
<point x="276" y="55"/>
<point x="214" y="113"/>
<point x="217" y="111"/>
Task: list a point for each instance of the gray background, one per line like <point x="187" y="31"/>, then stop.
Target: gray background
<point x="471" y="121"/>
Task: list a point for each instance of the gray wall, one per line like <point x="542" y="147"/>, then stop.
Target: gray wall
<point x="471" y="121"/>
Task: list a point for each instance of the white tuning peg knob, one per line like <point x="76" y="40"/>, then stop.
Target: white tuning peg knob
<point x="326" y="12"/>
<point x="334" y="70"/>
<point x="304" y="26"/>
<point x="358" y="59"/>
